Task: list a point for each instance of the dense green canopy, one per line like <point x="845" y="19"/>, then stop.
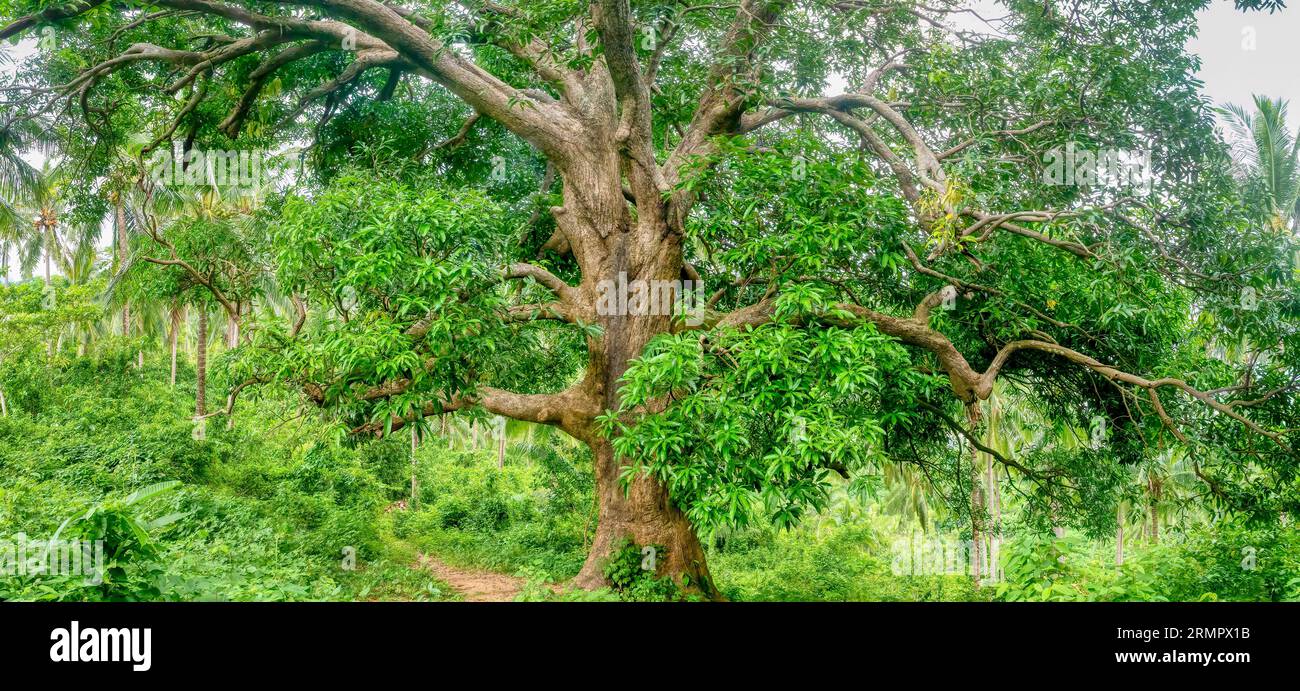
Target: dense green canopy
<point x="898" y="211"/>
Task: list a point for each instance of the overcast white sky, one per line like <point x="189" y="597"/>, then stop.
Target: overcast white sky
<point x="1242" y="54"/>
<point x="1234" y="68"/>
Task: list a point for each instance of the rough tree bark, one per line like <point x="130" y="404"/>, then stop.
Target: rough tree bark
<point x="646" y="516"/>
<point x="607" y="244"/>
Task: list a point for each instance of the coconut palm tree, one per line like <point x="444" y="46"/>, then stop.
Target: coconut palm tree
<point x="909" y="496"/>
<point x="17" y="179"/>
<point x="1266" y="152"/>
<point x="158" y="212"/>
<point x="41" y="210"/>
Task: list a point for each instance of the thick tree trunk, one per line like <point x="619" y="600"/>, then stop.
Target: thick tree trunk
<point x="645" y="516"/>
<point x="613" y="246"/>
<point x="608" y="159"/>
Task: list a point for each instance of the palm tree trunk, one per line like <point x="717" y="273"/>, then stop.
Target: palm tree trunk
<point x="189" y="340"/>
<point x="48" y="285"/>
<point x="175" y="329"/>
<point x="119" y="217"/>
<point x="232" y="328"/>
<point x="415" y="442"/>
<point x="995" y="536"/>
<point x="501" y="447"/>
<point x="1153" y="489"/>
<point x="977" y="555"/>
<point x="976" y="505"/>
<point x="1119" y="535"/>
<point x="4" y="405"/>
<point x="201" y="366"/>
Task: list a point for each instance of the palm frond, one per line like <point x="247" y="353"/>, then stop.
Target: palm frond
<point x="1240" y="138"/>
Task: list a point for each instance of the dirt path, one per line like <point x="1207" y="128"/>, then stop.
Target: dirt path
<point x="472" y="584"/>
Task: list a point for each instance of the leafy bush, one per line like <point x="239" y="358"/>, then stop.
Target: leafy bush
<point x="627" y="572"/>
<point x="1223" y="560"/>
<point x="127" y="564"/>
<point x="839" y="562"/>
<point x="512" y="519"/>
<point x="266" y="511"/>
